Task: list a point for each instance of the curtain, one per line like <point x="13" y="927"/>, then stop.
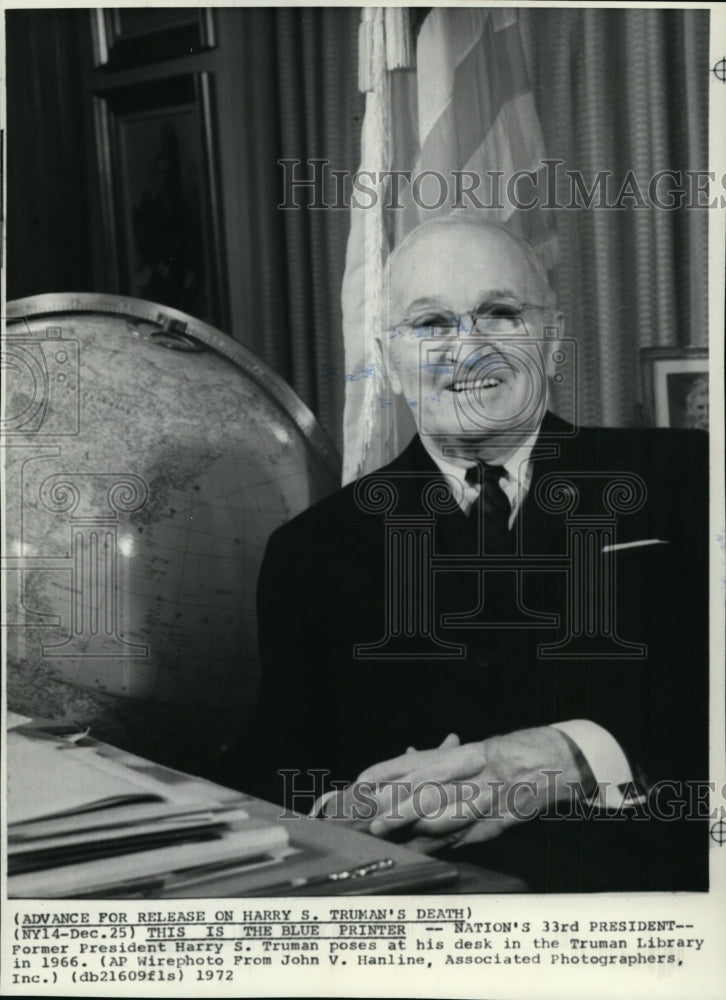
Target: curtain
<point x="624" y="90"/>
<point x="621" y="91"/>
<point x="301" y="103"/>
<point x="49" y="233"/>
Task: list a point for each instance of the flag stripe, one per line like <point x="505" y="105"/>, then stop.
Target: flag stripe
<point x="490" y="75"/>
<point x="443" y="43"/>
<point x="514" y="142"/>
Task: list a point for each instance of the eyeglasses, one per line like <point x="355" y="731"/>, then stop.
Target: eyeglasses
<point x="492" y="321"/>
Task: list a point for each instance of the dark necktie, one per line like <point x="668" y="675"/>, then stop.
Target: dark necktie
<point x="492" y="507"/>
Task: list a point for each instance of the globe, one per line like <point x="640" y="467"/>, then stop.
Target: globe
<point x="148" y="457"/>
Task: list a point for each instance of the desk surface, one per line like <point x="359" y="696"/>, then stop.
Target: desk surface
<point x="330" y="846"/>
<point x="322" y="847"/>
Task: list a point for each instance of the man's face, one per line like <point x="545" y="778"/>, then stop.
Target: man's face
<point x="478" y="388"/>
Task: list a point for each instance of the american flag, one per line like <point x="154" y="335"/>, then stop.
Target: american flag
<point x="467" y="106"/>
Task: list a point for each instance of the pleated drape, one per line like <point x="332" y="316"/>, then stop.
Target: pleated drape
<point x="303" y="104"/>
<point x="624" y="90"/>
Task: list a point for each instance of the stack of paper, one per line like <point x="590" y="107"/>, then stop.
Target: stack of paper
<point x="71" y="810"/>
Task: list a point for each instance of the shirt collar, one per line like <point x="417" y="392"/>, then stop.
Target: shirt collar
<point x="518" y="466"/>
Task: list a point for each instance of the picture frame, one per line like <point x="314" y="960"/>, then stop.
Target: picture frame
<point x="160" y="194"/>
<point x="134" y="36"/>
<point x="675" y="386"/>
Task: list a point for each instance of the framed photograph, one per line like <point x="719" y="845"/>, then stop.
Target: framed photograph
<point x="160" y="194"/>
<point x="134" y="36"/>
<point x="675" y="386"/>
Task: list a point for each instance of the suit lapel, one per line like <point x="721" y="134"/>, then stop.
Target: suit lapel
<point x="558" y="452"/>
<point x="562" y="460"/>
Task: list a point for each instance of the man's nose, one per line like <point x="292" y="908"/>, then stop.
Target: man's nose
<point x="467" y="324"/>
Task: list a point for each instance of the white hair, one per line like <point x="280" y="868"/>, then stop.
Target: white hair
<point x="468" y="218"/>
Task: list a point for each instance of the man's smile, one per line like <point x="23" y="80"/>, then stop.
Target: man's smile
<point x="482" y="373"/>
<point x="475" y="384"/>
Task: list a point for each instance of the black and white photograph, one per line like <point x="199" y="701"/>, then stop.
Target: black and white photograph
<point x="675" y="386"/>
<point x="363" y="510"/>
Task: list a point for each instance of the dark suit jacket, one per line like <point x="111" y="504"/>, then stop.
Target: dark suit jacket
<point x="329" y="577"/>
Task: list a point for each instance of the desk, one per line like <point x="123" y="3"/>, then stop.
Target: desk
<point x="330" y="846"/>
<point x="322" y="847"/>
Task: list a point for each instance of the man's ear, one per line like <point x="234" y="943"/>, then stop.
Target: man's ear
<point x="554" y="332"/>
<point x="389" y="364"/>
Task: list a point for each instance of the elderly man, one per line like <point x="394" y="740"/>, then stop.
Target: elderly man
<point x="513" y="609"/>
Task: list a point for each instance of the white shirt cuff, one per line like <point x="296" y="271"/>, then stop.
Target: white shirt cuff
<point x="606" y="760"/>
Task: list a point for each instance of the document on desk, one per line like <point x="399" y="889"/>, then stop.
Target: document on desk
<point x="71" y="810"/>
<point x="26" y="847"/>
<point x="254" y="839"/>
<point x="15" y="719"/>
<point x="50" y="777"/>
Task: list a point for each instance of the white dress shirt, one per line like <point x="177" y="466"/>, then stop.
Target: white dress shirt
<point x="515" y="484"/>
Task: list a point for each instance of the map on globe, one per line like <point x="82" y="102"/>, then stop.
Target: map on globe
<point x="148" y="457"/>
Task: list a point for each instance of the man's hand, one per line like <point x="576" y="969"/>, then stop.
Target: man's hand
<point x="370" y="796"/>
<point x="463" y="794"/>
